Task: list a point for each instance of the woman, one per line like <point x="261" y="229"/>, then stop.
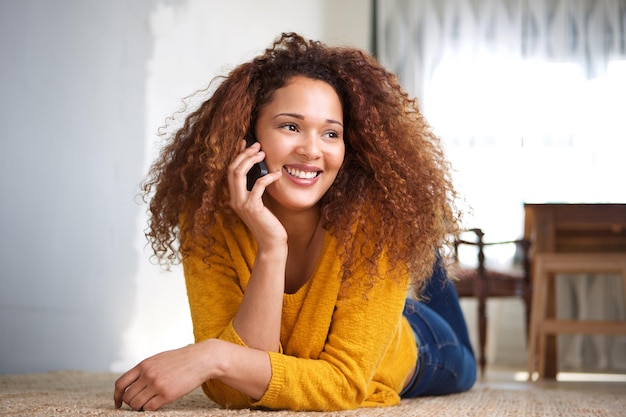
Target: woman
<point x="298" y="288"/>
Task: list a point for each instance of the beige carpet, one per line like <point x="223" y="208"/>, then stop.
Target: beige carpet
<point x="88" y="394"/>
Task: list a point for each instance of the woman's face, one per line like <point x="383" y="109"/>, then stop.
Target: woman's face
<point x="301" y="133"/>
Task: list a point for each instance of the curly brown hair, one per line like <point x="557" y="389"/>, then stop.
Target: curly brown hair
<point x="394" y="193"/>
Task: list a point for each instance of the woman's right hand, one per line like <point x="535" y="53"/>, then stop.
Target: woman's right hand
<point x="249" y="205"/>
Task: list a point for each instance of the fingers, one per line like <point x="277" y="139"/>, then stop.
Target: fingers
<point x="248" y="156"/>
<point x="264" y="182"/>
<point x="135" y="390"/>
<point x="240" y="166"/>
<point x="153" y="404"/>
<point x="145" y="400"/>
<point x="122" y="384"/>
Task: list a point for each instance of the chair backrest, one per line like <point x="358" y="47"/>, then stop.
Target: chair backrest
<point x="476" y="239"/>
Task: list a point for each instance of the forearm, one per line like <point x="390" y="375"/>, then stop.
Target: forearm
<point x="258" y="319"/>
<point x="247" y="370"/>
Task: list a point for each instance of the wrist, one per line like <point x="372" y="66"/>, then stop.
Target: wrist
<point x="244" y="369"/>
<point x="214" y="360"/>
<point x="272" y="253"/>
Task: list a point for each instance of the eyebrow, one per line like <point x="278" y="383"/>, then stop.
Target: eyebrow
<point x="301" y="117"/>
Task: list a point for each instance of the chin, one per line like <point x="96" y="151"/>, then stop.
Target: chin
<point x="289" y="200"/>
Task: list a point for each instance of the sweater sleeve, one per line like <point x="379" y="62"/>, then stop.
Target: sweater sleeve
<point x="366" y="325"/>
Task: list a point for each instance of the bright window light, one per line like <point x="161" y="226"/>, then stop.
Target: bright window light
<point x="527" y="131"/>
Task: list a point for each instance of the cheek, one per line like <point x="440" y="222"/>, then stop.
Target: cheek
<point x="273" y="155"/>
<point x="339" y="157"/>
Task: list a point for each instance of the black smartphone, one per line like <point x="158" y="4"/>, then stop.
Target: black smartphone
<point x="258" y="170"/>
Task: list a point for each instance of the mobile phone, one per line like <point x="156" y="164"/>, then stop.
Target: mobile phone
<point x="258" y="170"/>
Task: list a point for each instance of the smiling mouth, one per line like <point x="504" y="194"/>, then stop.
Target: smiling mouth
<point x="306" y="175"/>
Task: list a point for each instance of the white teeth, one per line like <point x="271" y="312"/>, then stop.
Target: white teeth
<point x="302" y="174"/>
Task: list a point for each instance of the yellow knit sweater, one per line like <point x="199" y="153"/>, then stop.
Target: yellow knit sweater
<point x="339" y="349"/>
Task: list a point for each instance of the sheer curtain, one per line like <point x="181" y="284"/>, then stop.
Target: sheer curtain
<point x="529" y="98"/>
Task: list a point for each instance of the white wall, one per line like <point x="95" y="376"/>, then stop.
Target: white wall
<point x="84" y="85"/>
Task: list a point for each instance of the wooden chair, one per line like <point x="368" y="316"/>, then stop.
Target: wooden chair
<point x="546" y="267"/>
<point x="482" y="282"/>
<point x="569" y="238"/>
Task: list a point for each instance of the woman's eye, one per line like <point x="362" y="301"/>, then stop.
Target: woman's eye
<point x="333" y="135"/>
<point x="290" y="126"/>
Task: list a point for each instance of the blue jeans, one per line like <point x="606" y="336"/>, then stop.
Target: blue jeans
<point x="446" y="362"/>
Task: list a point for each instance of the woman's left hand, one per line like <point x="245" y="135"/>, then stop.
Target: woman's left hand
<point x="162" y="378"/>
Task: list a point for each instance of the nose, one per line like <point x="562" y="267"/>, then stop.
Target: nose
<point x="309" y="146"/>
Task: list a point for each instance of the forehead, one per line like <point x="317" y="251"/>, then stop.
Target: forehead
<point x="305" y="92"/>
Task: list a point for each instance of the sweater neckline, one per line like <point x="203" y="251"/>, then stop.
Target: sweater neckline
<point x="304" y="289"/>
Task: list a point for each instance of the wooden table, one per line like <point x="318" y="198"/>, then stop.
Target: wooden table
<point x="584" y="228"/>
